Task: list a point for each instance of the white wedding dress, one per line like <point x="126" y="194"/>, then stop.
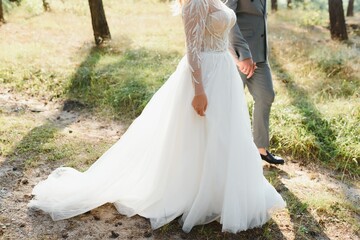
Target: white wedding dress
<point x="171" y="162"/>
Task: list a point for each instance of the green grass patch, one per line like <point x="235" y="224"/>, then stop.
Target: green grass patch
<point x="317" y="110"/>
<point x="309" y="212"/>
<point x="122" y="82"/>
<point x="23" y="138"/>
<point x="33" y="81"/>
<point x="11" y="132"/>
<point x="315" y="116"/>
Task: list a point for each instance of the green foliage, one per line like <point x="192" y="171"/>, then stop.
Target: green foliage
<point x="22" y="137"/>
<point x="333" y="62"/>
<point x="303" y="133"/>
<point x="313" y="18"/>
<point x="33" y="81"/>
<point x="298" y="208"/>
<point x="123" y="82"/>
<point x="30" y="6"/>
<point x="314" y="118"/>
<point x="131" y="98"/>
<point x="33" y="7"/>
<point x="36" y="146"/>
<point x="316" y="113"/>
<point x="317" y="5"/>
<point x="8" y="6"/>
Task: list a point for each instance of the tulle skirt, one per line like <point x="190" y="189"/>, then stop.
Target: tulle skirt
<point x="172" y="162"/>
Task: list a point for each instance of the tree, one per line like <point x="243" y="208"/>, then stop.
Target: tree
<point x="16" y="1"/>
<point x="274" y="6"/>
<point x="289" y="4"/>
<point x="99" y="23"/>
<point x="350" y="9"/>
<point x="46" y="6"/>
<point x="2" y="19"/>
<point x="337" y="20"/>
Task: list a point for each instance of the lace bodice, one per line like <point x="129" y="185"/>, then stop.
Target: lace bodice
<point x="207" y="25"/>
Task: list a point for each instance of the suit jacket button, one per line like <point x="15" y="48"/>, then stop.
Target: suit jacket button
<point x="262" y="35"/>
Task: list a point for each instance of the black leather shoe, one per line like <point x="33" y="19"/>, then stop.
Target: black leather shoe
<point x="272" y="159"/>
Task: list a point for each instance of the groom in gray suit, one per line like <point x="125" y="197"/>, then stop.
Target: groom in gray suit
<point x="249" y="41"/>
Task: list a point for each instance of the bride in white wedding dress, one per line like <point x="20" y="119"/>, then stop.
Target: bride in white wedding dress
<point x="173" y="161"/>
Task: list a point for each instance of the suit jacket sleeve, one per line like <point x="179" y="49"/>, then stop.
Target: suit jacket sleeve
<point x="238" y="41"/>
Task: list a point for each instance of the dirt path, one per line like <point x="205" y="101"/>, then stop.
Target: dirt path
<point x="301" y="186"/>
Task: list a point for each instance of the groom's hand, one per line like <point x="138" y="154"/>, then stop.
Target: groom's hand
<point x="247" y="67"/>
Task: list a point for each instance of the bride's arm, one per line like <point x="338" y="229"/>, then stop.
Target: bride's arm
<point x="233" y="53"/>
<point x="194" y="17"/>
<point x="194" y="14"/>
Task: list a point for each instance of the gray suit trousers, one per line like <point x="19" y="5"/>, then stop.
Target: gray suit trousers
<point x="260" y="86"/>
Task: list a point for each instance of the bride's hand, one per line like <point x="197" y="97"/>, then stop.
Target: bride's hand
<point x="199" y="103"/>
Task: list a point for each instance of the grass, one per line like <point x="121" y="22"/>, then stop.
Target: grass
<point x="316" y="112"/>
<point x="310" y="212"/>
<point x="116" y="80"/>
<point x="314" y="118"/>
<point x="39" y="142"/>
<point x="122" y="82"/>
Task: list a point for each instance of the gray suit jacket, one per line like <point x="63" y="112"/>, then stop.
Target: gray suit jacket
<point x="249" y="35"/>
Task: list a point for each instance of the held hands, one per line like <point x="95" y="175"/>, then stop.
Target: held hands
<point x="247" y="67"/>
<point x="199" y="103"/>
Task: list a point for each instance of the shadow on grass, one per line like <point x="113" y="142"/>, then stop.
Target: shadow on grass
<point x="324" y="148"/>
<point x="212" y="231"/>
<point x="304" y="225"/>
<point x="34" y="147"/>
<point x="37" y="149"/>
<point x="319" y="54"/>
<point x="125" y="80"/>
<point x="89" y="84"/>
<point x="121" y="82"/>
<point x="95" y="84"/>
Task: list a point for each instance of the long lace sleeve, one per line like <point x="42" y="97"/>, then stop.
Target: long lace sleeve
<point x="194" y="14"/>
<point x="232" y="52"/>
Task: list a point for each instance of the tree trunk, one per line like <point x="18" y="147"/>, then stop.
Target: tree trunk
<point x="289" y="4"/>
<point x="99" y="23"/>
<point x="2" y="19"/>
<point x="46" y="6"/>
<point x="350" y="9"/>
<point x="274" y="6"/>
<point x="337" y="20"/>
<point x="16" y="1"/>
